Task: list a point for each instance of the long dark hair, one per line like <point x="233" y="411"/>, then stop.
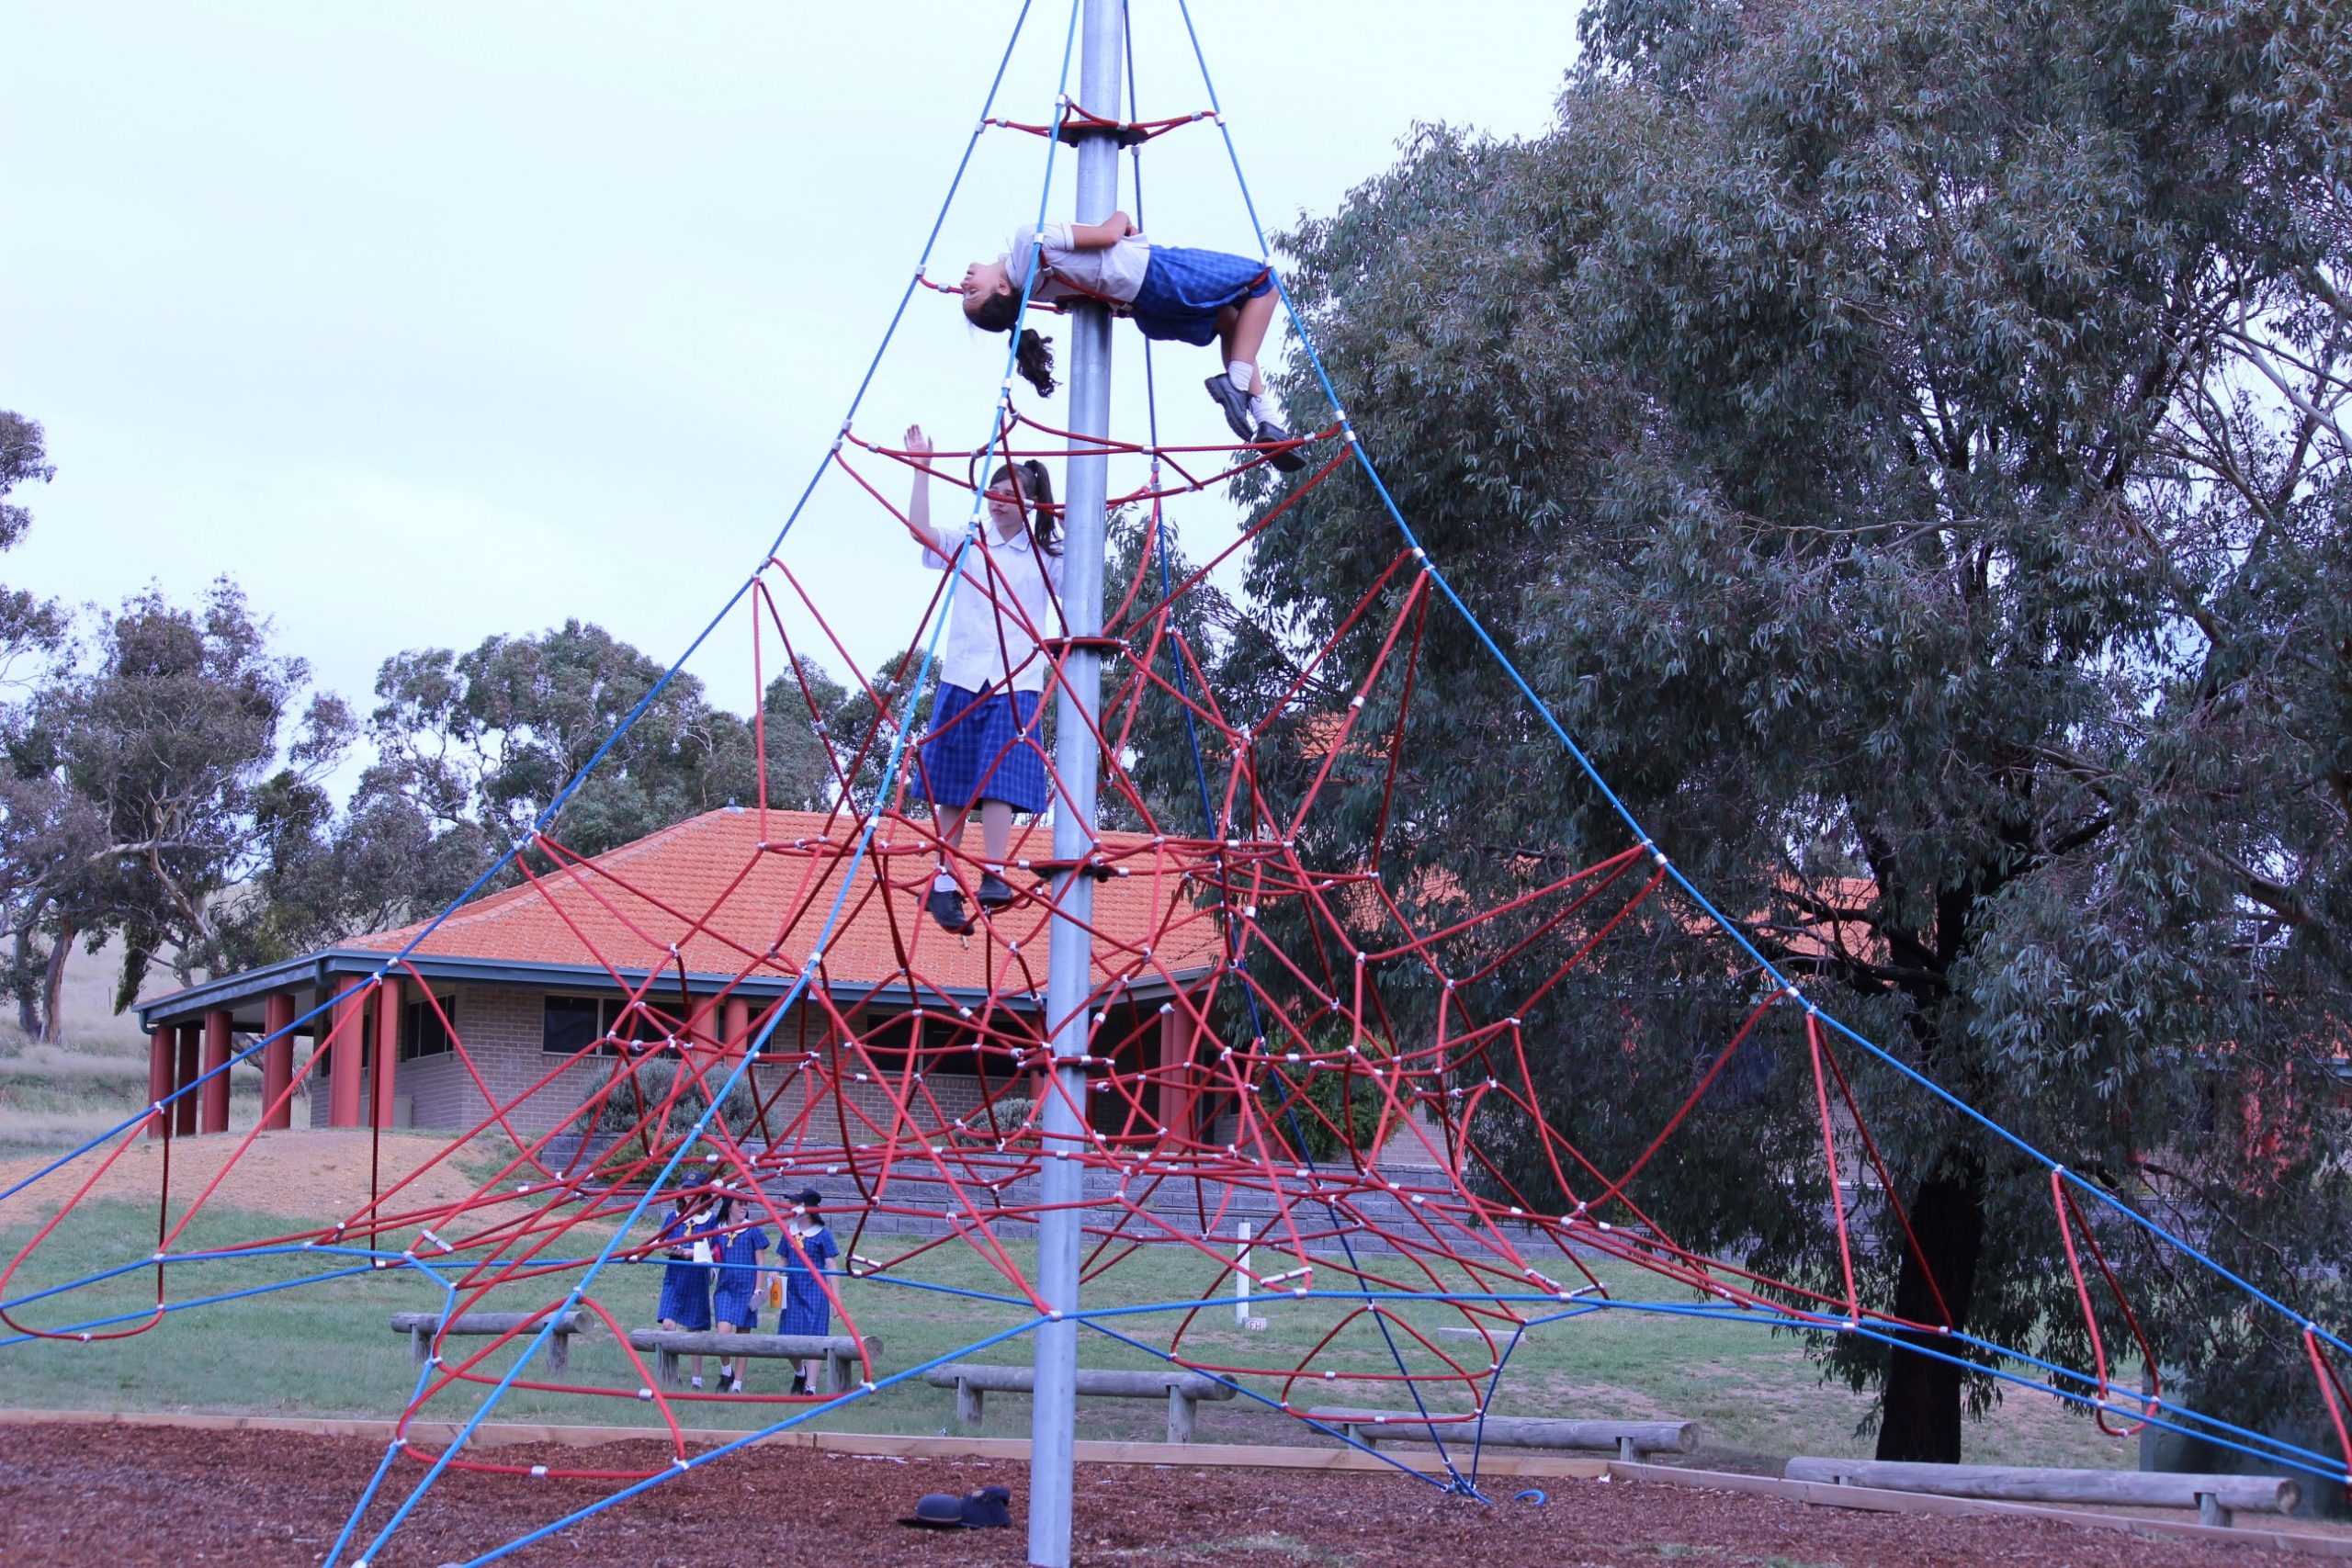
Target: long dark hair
<point x="1034" y="357"/>
<point x="1027" y="481"/>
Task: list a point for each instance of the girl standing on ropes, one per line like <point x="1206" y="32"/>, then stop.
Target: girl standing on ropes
<point x="982" y="746"/>
<point x="1172" y="293"/>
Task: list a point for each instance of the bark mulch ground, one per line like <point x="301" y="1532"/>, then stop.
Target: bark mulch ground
<point x="123" y="1497"/>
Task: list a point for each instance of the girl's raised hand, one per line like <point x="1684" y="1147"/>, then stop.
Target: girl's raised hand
<point x="918" y="443"/>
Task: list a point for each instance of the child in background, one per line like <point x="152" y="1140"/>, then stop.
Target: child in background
<point x="734" y="1299"/>
<point x="807" y="1247"/>
<point x="981" y="749"/>
<point x="685" y="1280"/>
<point x="1172" y="293"/>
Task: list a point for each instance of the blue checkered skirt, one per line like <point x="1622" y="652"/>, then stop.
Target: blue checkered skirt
<point x="685" y="1295"/>
<point x="984" y="748"/>
<point x="1183" y="290"/>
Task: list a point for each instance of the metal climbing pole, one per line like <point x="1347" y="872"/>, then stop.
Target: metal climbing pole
<point x="1069" y="979"/>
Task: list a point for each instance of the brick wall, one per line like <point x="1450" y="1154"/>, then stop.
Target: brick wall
<point x="501" y="1028"/>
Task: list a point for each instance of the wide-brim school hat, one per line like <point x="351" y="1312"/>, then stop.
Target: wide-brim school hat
<point x="987" y="1509"/>
<point x="809" y="1198"/>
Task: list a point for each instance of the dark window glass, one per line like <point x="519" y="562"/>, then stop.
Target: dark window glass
<point x="571" y="1024"/>
<point x="640" y="1026"/>
<point x="423" y="1031"/>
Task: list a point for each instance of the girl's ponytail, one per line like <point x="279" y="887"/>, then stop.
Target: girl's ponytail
<point x="1035" y="360"/>
<point x="1034" y="357"/>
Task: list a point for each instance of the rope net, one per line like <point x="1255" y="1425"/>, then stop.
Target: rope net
<point x="1276" y="1038"/>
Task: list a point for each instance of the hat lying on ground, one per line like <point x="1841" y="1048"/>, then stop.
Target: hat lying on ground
<point x="983" y="1509"/>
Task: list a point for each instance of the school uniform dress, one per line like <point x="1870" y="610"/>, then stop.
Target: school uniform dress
<point x="983" y="740"/>
<point x="734" y="1299"/>
<point x="805" y="1310"/>
<point x="1173" y="293"/>
<point x="685" y="1286"/>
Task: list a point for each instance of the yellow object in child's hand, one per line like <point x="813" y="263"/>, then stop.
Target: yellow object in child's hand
<point x="776" y="1292"/>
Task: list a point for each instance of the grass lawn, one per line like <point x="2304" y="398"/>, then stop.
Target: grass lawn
<point x="323" y="1348"/>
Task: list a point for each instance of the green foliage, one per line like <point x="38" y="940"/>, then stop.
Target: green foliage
<point x="1335" y="1115"/>
<point x="492" y="736"/>
<point x="644" y="1103"/>
<point x="145" y="782"/>
<point x="471" y="748"/>
<point x="1900" y="442"/>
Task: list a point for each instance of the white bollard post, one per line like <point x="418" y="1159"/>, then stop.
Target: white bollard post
<point x="1241" y="1280"/>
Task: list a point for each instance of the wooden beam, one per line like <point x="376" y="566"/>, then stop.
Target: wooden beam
<point x="2020" y="1483"/>
<point x="1099" y="1383"/>
<point x="1517" y="1431"/>
<point x="499" y="1434"/>
<point x="1871" y="1499"/>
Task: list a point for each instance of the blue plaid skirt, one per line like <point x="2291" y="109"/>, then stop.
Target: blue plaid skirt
<point x="1183" y="290"/>
<point x="984" y="748"/>
<point x="685" y="1295"/>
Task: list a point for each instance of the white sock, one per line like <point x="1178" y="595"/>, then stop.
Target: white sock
<point x="1261" y="413"/>
<point x="944" y="882"/>
<point x="996" y="870"/>
<point x="1241" y="373"/>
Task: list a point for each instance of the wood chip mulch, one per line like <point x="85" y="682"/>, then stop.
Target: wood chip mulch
<point x="127" y="1496"/>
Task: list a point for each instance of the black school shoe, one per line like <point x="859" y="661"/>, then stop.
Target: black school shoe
<point x="994" y="892"/>
<point x="1290" y="459"/>
<point x="947" y="906"/>
<point x="1233" y="400"/>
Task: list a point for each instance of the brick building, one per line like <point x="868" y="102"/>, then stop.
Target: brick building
<point x="522" y="1004"/>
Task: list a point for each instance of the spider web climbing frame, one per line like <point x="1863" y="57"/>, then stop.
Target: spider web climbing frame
<point x="1276" y="970"/>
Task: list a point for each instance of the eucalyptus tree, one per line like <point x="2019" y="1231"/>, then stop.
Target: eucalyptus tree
<point x="1905" y="443"/>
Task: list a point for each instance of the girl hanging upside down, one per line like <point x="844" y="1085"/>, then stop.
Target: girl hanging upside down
<point x="982" y="748"/>
<point x="1187" y="296"/>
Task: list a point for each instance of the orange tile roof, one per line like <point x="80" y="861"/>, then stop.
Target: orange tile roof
<point x="732" y="904"/>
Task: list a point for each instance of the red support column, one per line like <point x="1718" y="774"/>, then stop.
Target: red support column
<point x="160" y="1064"/>
<point x="738" y="1029"/>
<point x="342" y="1056"/>
<point x="1177" y="1033"/>
<point x="388" y="997"/>
<point x="277" y="1062"/>
<point x="184" y="1108"/>
<point x="214" y="1115"/>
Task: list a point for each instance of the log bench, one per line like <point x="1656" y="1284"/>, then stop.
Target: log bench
<point x="842" y="1369"/>
<point x="1181" y="1389"/>
<point x="422" y="1328"/>
<point x="2215" y="1498"/>
<point x="1628" y="1439"/>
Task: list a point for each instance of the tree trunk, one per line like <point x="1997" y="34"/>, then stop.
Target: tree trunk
<point x="1919" y="1415"/>
<point x="52" y="985"/>
<point x="28" y="1000"/>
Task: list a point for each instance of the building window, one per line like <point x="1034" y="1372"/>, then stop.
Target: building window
<point x="595" y="1025"/>
<point x="572" y="1025"/>
<point x="426" y="1026"/>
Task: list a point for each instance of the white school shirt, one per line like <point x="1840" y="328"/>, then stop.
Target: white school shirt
<point x="1002" y="608"/>
<point x="1115" y="272"/>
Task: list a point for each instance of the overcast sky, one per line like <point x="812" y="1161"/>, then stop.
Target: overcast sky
<point x="431" y="321"/>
